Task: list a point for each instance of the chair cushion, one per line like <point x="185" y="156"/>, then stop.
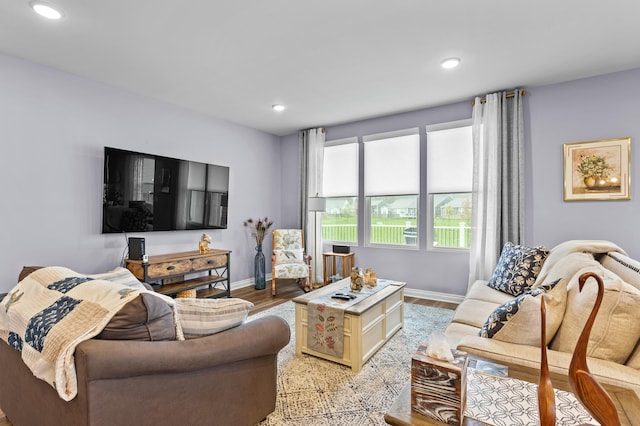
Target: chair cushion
<point x="291" y="270"/>
<point x="517" y="268"/>
<point x="518" y="321"/>
<point x="287" y="239"/>
<point x="283" y="256"/>
<point x="616" y="329"/>
<point x="202" y="317"/>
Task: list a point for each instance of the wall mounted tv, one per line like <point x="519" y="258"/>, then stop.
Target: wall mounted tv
<point x="144" y="192"/>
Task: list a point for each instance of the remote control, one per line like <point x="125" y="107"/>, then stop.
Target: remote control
<point x="341" y="297"/>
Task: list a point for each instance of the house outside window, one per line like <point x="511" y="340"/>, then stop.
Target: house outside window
<point x="340" y="188"/>
<point x="449" y="158"/>
<point x="392" y="187"/>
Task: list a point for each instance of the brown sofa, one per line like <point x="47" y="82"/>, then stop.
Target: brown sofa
<point x="223" y="379"/>
<point x="228" y="378"/>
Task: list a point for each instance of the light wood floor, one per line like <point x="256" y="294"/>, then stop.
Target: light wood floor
<point x="286" y="290"/>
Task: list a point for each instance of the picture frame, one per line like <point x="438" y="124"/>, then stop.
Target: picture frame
<point x="597" y="170"/>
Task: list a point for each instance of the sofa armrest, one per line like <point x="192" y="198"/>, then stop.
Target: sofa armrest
<point x="112" y="359"/>
<point x="514" y="355"/>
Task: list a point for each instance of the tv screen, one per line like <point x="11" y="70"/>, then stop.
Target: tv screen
<point x="144" y="192"/>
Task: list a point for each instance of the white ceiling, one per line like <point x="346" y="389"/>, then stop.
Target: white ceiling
<point x="328" y="61"/>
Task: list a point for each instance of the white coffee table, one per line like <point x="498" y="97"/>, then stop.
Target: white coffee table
<point x="368" y="324"/>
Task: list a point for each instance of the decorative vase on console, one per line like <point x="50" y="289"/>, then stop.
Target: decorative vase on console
<point x="258" y="229"/>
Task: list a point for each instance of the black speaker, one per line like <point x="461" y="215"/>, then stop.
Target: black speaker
<point x="341" y="249"/>
<point x="136" y="248"/>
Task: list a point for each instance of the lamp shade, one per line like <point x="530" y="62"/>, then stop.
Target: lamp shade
<point x="316" y="204"/>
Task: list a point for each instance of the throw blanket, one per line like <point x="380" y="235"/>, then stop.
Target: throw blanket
<point x="325" y="319"/>
<point x="560" y="251"/>
<point x="50" y="312"/>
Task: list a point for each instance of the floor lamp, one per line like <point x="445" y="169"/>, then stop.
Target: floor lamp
<point x="315" y="205"/>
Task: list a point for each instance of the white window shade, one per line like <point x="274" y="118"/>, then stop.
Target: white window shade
<point x="450" y="160"/>
<point x="340" y="170"/>
<point x="392" y="165"/>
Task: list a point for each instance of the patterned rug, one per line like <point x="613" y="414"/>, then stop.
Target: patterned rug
<point x="312" y="391"/>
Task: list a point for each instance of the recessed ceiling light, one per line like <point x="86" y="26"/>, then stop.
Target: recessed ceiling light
<point x="46" y="10"/>
<point x="278" y="107"/>
<point x="450" y="63"/>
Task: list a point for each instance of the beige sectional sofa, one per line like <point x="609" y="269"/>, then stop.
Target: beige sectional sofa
<point x="614" y="347"/>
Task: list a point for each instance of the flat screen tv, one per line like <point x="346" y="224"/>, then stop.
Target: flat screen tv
<point x="144" y="192"/>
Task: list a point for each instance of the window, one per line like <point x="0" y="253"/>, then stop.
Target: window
<point x="340" y="188"/>
<point x="392" y="186"/>
<point x="449" y="182"/>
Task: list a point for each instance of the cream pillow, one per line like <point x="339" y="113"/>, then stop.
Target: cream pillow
<point x="518" y="320"/>
<point x="202" y="317"/>
<point x="617" y="326"/>
<point x="568" y="266"/>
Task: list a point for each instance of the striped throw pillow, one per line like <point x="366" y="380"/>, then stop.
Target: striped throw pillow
<point x="202" y="317"/>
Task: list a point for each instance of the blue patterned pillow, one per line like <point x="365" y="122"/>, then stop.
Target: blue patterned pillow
<point x="518" y="268"/>
<point x="518" y="320"/>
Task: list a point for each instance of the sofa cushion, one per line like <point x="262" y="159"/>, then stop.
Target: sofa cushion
<point x="511" y="354"/>
<point x="473" y="312"/>
<point x="456" y="331"/>
<point x="120" y="276"/>
<point x="617" y="326"/>
<point x="284" y="257"/>
<point x="623" y="266"/>
<point x="481" y="291"/>
<point x="26" y="270"/>
<point x="518" y="321"/>
<point x="634" y="358"/>
<point x="146" y="317"/>
<point x="517" y="268"/>
<point x="202" y="317"/>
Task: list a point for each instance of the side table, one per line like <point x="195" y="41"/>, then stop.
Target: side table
<point x="329" y="263"/>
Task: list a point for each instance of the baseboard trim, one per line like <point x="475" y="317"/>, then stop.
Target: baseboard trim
<point x="248" y="282"/>
<point x="420" y="294"/>
<point x="433" y="295"/>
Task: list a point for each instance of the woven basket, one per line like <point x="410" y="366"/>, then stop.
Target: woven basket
<point x="187" y="293"/>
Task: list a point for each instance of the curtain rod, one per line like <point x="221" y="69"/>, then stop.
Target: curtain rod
<point x="509" y="95"/>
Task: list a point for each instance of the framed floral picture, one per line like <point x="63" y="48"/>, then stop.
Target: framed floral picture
<point x="597" y="170"/>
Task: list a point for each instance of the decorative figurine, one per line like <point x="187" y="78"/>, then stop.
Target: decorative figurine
<point x="546" y="395"/>
<point x="370" y="278"/>
<point x="357" y="279"/>
<point x="583" y="384"/>
<point x="204" y="243"/>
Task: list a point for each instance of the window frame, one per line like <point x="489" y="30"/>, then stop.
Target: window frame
<point x="367" y="219"/>
<point x="430" y="225"/>
<point x="338" y="142"/>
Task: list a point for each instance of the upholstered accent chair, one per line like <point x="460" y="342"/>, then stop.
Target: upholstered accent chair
<point x="289" y="259"/>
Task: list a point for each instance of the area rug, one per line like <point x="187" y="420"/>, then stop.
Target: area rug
<point x="312" y="391"/>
